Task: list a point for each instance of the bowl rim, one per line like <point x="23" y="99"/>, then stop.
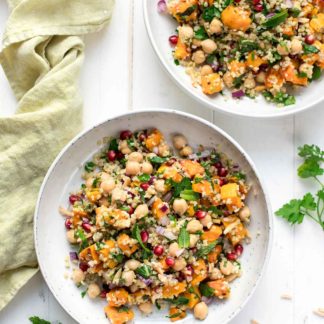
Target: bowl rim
<point x="205" y="102"/>
<point x="171" y="112"/>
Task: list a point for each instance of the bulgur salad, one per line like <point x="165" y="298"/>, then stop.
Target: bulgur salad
<point x="157" y="226"/>
<point x="251" y="47"/>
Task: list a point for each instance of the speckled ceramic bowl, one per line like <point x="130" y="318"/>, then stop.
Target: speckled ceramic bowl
<point x="64" y="176"/>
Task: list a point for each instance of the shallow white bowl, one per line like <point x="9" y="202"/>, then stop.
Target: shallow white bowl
<point x="161" y="26"/>
<point x="64" y="176"/>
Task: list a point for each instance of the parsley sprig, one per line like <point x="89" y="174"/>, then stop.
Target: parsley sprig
<point x="310" y="205"/>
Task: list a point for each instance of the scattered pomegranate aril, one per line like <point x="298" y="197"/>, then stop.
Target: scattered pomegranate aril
<point x="142" y="137"/>
<point x="310" y="39"/>
<point x="222" y="172"/>
<point x="119" y="155"/>
<point x="131" y="210"/>
<point x="68" y="223"/>
<point x="151" y="181"/>
<point x="169" y="261"/>
<point x="238" y="249"/>
<point x="158" y="250"/>
<point x="125" y="134"/>
<point x="86" y="227"/>
<point x="218" y="165"/>
<point x="103" y="294"/>
<point x="231" y="256"/>
<point x="173" y="39"/>
<point x="111" y="155"/>
<point x="144" y="236"/>
<point x="200" y="214"/>
<point x="189" y="270"/>
<point x="73" y="199"/>
<point x="237" y="1"/>
<point x="164" y="208"/>
<point x="258" y="7"/>
<point x="145" y="186"/>
<point x="255" y="2"/>
<point x="83" y="266"/>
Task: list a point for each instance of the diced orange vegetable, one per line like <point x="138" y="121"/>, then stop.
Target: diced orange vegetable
<point x="180" y="52"/>
<point x="229" y="191"/>
<point x="211" y="83"/>
<point x="163" y="264"/>
<point x="176" y="314"/>
<point x="117" y="297"/>
<point x="290" y="26"/>
<point x="221" y="288"/>
<point x="126" y="244"/>
<point x="139" y="296"/>
<point x="172" y="291"/>
<point x="274" y="79"/>
<point x="157" y="211"/>
<point x="192" y="168"/>
<point x="118" y="316"/>
<point x="153" y="139"/>
<point x="213" y="255"/>
<point x="194" y="296"/>
<point x="77" y="215"/>
<point x="317" y="23"/>
<point x="307" y="9"/>
<point x="310" y="58"/>
<point x="200" y="272"/>
<point x="170" y="172"/>
<point x="235" y="230"/>
<point x="212" y="234"/>
<point x="290" y="75"/>
<point x="254" y="61"/>
<point x="177" y="8"/>
<point x="235" y="17"/>
<point x="236" y="68"/>
<point x="204" y="187"/>
<point x="105" y="254"/>
<point x="191" y="210"/>
<point x="93" y="195"/>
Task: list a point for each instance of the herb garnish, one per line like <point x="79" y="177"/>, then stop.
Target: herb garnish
<point x="184" y="238"/>
<point x="144" y="271"/>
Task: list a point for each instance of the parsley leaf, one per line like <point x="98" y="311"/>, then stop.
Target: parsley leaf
<point x="210" y="12"/>
<point x="206" y="249"/>
<point x="201" y="33"/>
<point x="113" y="145"/>
<point x="144" y="271"/>
<point x="178" y="301"/>
<point x="89" y="166"/>
<point x="136" y="233"/>
<point x="189" y="195"/>
<point x="313" y="158"/>
<point x="205" y="290"/>
<point x="37" y="320"/>
<point x="157" y="160"/>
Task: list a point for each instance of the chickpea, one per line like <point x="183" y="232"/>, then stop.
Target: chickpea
<point x="179" y="264"/>
<point x="185" y="33"/>
<point x="123" y="147"/>
<point x="78" y="275"/>
<point x="196" y="42"/>
<point x="174" y="249"/>
<point x="245" y="214"/>
<point x="179" y="141"/>
<point x="118" y="195"/>
<point x="180" y="206"/>
<point x="296" y="46"/>
<point x="201" y="311"/>
<point x="215" y="274"/>
<point x="208" y="46"/>
<point x="104" y="176"/>
<point x="205" y="70"/>
<point x="93" y="290"/>
<point x="128" y="277"/>
<point x="141" y="211"/>
<point x="70" y="236"/>
<point x="186" y="151"/>
<point x="132" y="264"/>
<point x="147" y="167"/>
<point x="249" y="82"/>
<point x="228" y="79"/>
<point x="194" y="226"/>
<point x="135" y="156"/>
<point x="108" y="185"/>
<point x="206" y="221"/>
<point x="132" y="168"/>
<point x="193" y="240"/>
<point x="164" y="149"/>
<point x="146" y="307"/>
<point x="159" y="185"/>
<point x="306" y="68"/>
<point x="89" y="182"/>
<point x="261" y="77"/>
<point x="226" y="267"/>
<point x="216" y="26"/>
<point x="198" y="57"/>
<point x="282" y="49"/>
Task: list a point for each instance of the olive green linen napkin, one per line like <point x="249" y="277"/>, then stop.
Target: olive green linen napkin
<point x="41" y="56"/>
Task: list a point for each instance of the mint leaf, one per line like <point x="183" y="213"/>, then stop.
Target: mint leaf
<point x="184" y="238"/>
<point x="144" y="271"/>
<point x="206" y="249"/>
<point x="205" y="290"/>
<point x="189" y="195"/>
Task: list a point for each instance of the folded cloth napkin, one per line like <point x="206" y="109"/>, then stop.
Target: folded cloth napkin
<point x="41" y="56"/>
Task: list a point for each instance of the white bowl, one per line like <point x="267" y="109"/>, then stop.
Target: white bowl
<point x="64" y="176"/>
<point x="161" y="26"/>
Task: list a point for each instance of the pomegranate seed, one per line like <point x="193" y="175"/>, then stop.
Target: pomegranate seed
<point x="237" y="1"/>
<point x="238" y="249"/>
<point x="103" y="294"/>
<point x="125" y="134"/>
<point x="158" y="250"/>
<point x="144" y="236"/>
<point x="83" y="266"/>
<point x="73" y="199"/>
<point x="86" y="227"/>
<point x="131" y="210"/>
<point x="181" y="276"/>
<point x="164" y="208"/>
<point x="255" y="2"/>
<point x="218" y="165"/>
<point x="151" y="181"/>
<point x="194" y="250"/>
<point x="68" y="223"/>
<point x="222" y="181"/>
<point x="258" y="7"/>
<point x="231" y="256"/>
<point x="169" y="261"/>
<point x="145" y="186"/>
<point x="200" y="214"/>
<point x="142" y="137"/>
<point x="119" y="155"/>
<point x="310" y="39"/>
<point x="222" y="172"/>
<point x="111" y="155"/>
<point x="173" y="39"/>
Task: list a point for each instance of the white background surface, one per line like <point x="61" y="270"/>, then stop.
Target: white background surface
<point x="122" y="73"/>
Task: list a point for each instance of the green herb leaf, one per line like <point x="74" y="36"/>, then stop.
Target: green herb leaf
<point x="38" y="320"/>
<point x="295" y="12"/>
<point x="178" y="301"/>
<point x="144" y="177"/>
<point x="276" y="20"/>
<point x="238" y="81"/>
<point x="184" y="238"/>
<point x="123" y="309"/>
<point x="178" y="187"/>
<point x="313" y="156"/>
<point x="206" y="249"/>
<point x="144" y="271"/>
<point x="280" y="98"/>
<point x="201" y="33"/>
<point x="89" y="166"/>
<point x="205" y="290"/>
<point x="246" y="45"/>
<point x="157" y="160"/>
<point x="239" y="175"/>
<point x="174" y="315"/>
<point x="84" y="241"/>
<point x="210" y="12"/>
<point x="316" y="73"/>
<point x="310" y="49"/>
<point x="136" y="233"/>
<point x="119" y="257"/>
<point x="189" y="195"/>
<point x="187" y="12"/>
<point x="83" y="293"/>
<point x="176" y="62"/>
<point x="113" y="145"/>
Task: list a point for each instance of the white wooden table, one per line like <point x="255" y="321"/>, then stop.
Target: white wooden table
<point x="121" y="73"/>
